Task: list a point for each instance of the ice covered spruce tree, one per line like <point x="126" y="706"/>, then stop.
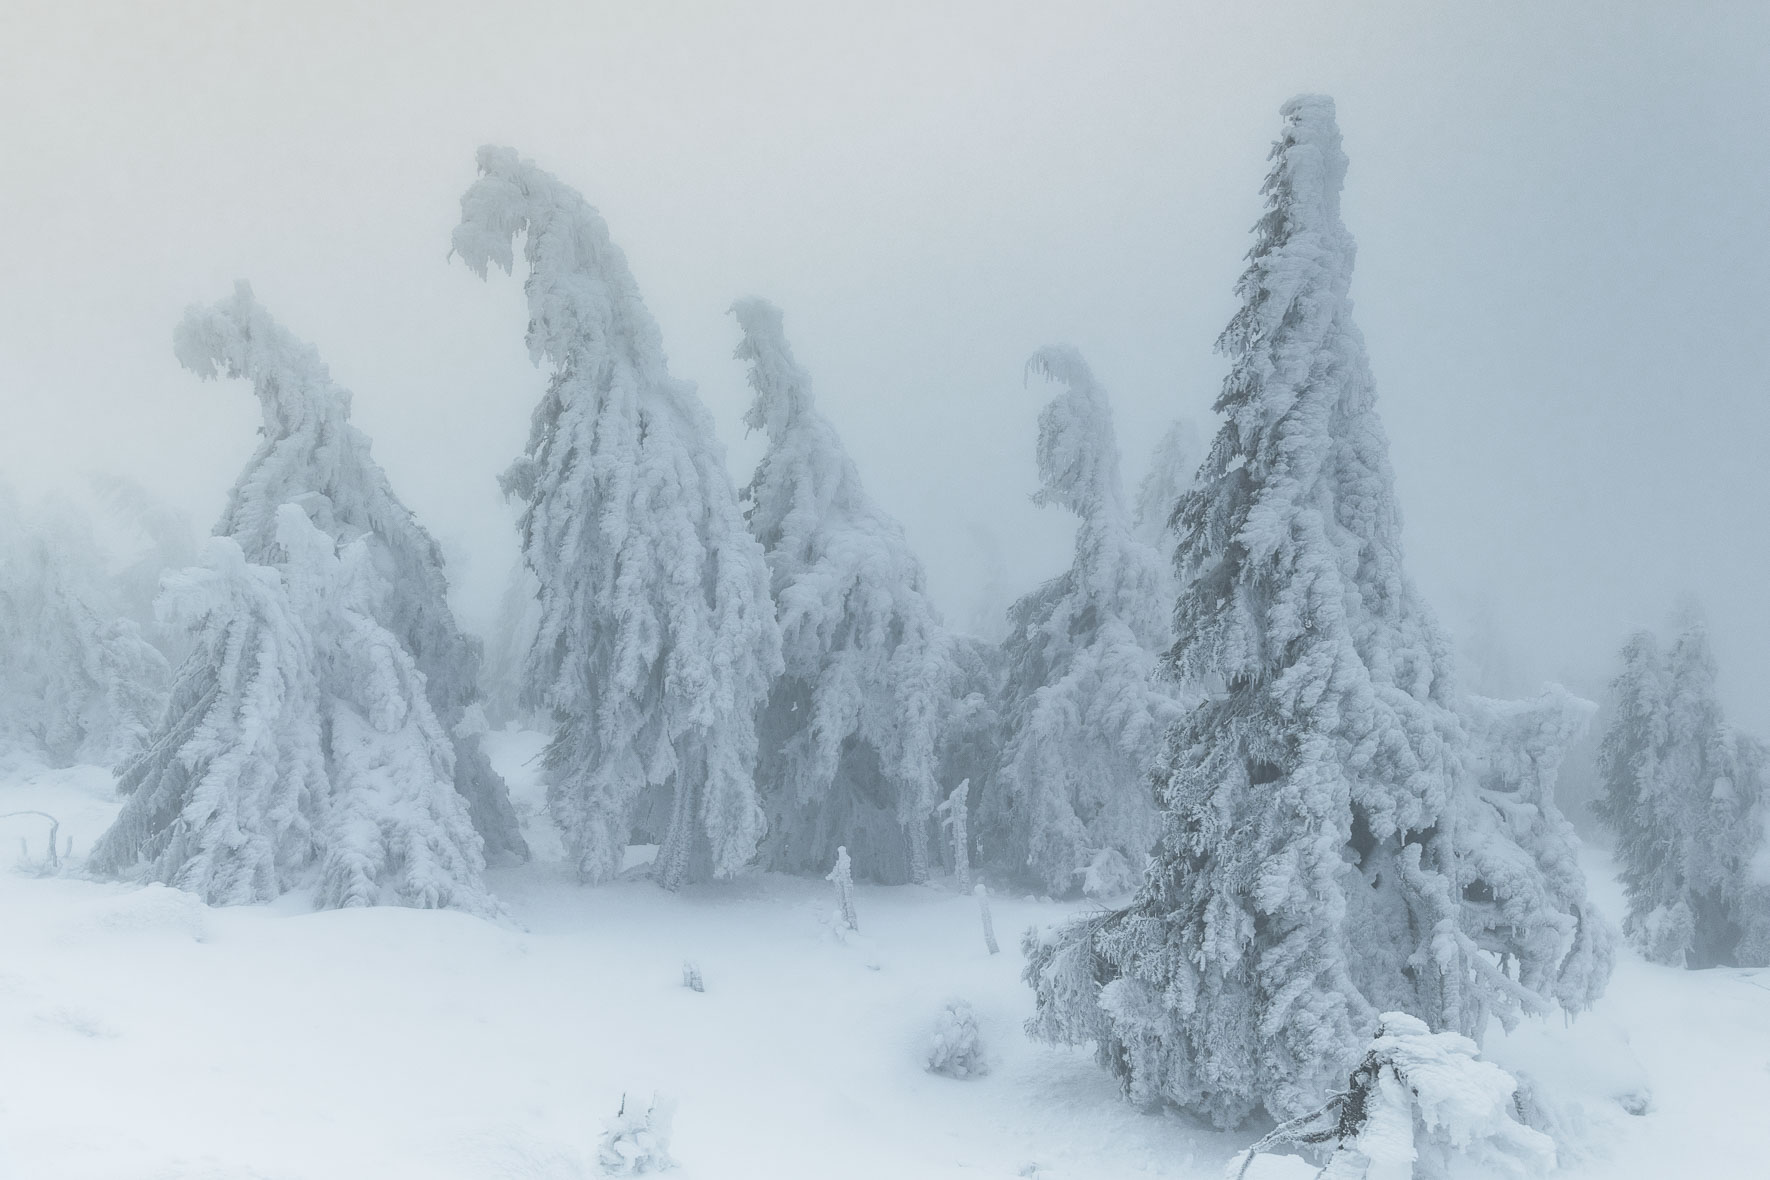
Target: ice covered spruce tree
<point x="310" y="452"/>
<point x="1685" y="797"/>
<point x="1068" y="807"/>
<point x="849" y="736"/>
<point x="656" y="641"/>
<point x="78" y="682"/>
<point x="300" y="748"/>
<point x="1324" y="855"/>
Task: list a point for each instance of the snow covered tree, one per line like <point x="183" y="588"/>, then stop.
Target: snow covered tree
<point x="1068" y="808"/>
<point x="78" y="682"/>
<point x="1684" y="796"/>
<point x="223" y="802"/>
<point x="300" y="747"/>
<point x="656" y="642"/>
<point x="309" y="449"/>
<point x="1172" y="470"/>
<point x="849" y="736"/>
<point x="1324" y="841"/>
<point x="1524" y="851"/>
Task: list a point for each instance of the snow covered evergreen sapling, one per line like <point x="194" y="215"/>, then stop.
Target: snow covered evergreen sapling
<point x="1325" y="854"/>
<point x="1068" y="807"/>
<point x="955" y="1047"/>
<point x="308" y="448"/>
<point x="848" y="738"/>
<point x="1685" y="797"/>
<point x="299" y="747"/>
<point x="656" y="641"/>
<point x="223" y="802"/>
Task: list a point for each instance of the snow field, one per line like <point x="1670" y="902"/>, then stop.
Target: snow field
<point x="146" y="1036"/>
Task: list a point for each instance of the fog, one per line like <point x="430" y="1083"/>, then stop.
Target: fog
<point x="1563" y="275"/>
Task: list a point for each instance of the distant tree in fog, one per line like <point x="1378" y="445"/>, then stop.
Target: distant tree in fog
<point x="849" y="736"/>
<point x="1068" y="807"/>
<point x="78" y="682"/>
<point x="1685" y="797"/>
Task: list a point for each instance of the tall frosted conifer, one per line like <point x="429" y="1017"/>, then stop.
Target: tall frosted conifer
<point x="1068" y="808"/>
<point x="1323" y="845"/>
<point x="309" y="449"/>
<point x="849" y="737"/>
<point x="656" y="641"/>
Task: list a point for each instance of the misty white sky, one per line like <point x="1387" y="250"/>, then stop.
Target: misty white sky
<point x="1564" y="267"/>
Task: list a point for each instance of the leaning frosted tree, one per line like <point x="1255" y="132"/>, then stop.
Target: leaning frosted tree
<point x="1685" y="797"/>
<point x="299" y="748"/>
<point x="1068" y="807"/>
<point x="225" y="800"/>
<point x="1326" y="854"/>
<point x="656" y="640"/>
<point x="849" y="737"/>
<point x="310" y="453"/>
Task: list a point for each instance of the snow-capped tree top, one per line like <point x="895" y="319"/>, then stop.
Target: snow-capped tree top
<point x="583" y="302"/>
<point x="1078" y="459"/>
<point x="808" y="505"/>
<point x="238" y="338"/>
<point x="1078" y="452"/>
<point x="783" y="389"/>
<point x="1286" y="498"/>
<point x="311" y="454"/>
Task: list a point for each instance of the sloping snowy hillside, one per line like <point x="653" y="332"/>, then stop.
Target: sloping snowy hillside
<point x="145" y="1036"/>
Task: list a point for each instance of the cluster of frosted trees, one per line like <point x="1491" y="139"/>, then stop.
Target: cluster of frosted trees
<point x="1687" y="801"/>
<point x="1232" y="706"/>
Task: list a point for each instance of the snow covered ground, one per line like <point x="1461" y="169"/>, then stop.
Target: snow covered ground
<point x="144" y="1036"/>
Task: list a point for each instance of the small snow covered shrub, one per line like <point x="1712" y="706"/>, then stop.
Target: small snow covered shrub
<point x="956" y="1048"/>
<point x="637" y="1142"/>
<point x="691" y="977"/>
<point x="1422" y="1105"/>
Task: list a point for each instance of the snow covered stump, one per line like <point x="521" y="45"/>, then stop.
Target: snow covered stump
<point x="842" y="877"/>
<point x="1420" y="1104"/>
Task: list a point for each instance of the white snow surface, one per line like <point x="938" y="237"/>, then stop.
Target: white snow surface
<point x="146" y="1036"/>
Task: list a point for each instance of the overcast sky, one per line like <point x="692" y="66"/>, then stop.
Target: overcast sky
<point x="1561" y="210"/>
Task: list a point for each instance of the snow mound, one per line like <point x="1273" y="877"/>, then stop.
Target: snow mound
<point x="152" y="910"/>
